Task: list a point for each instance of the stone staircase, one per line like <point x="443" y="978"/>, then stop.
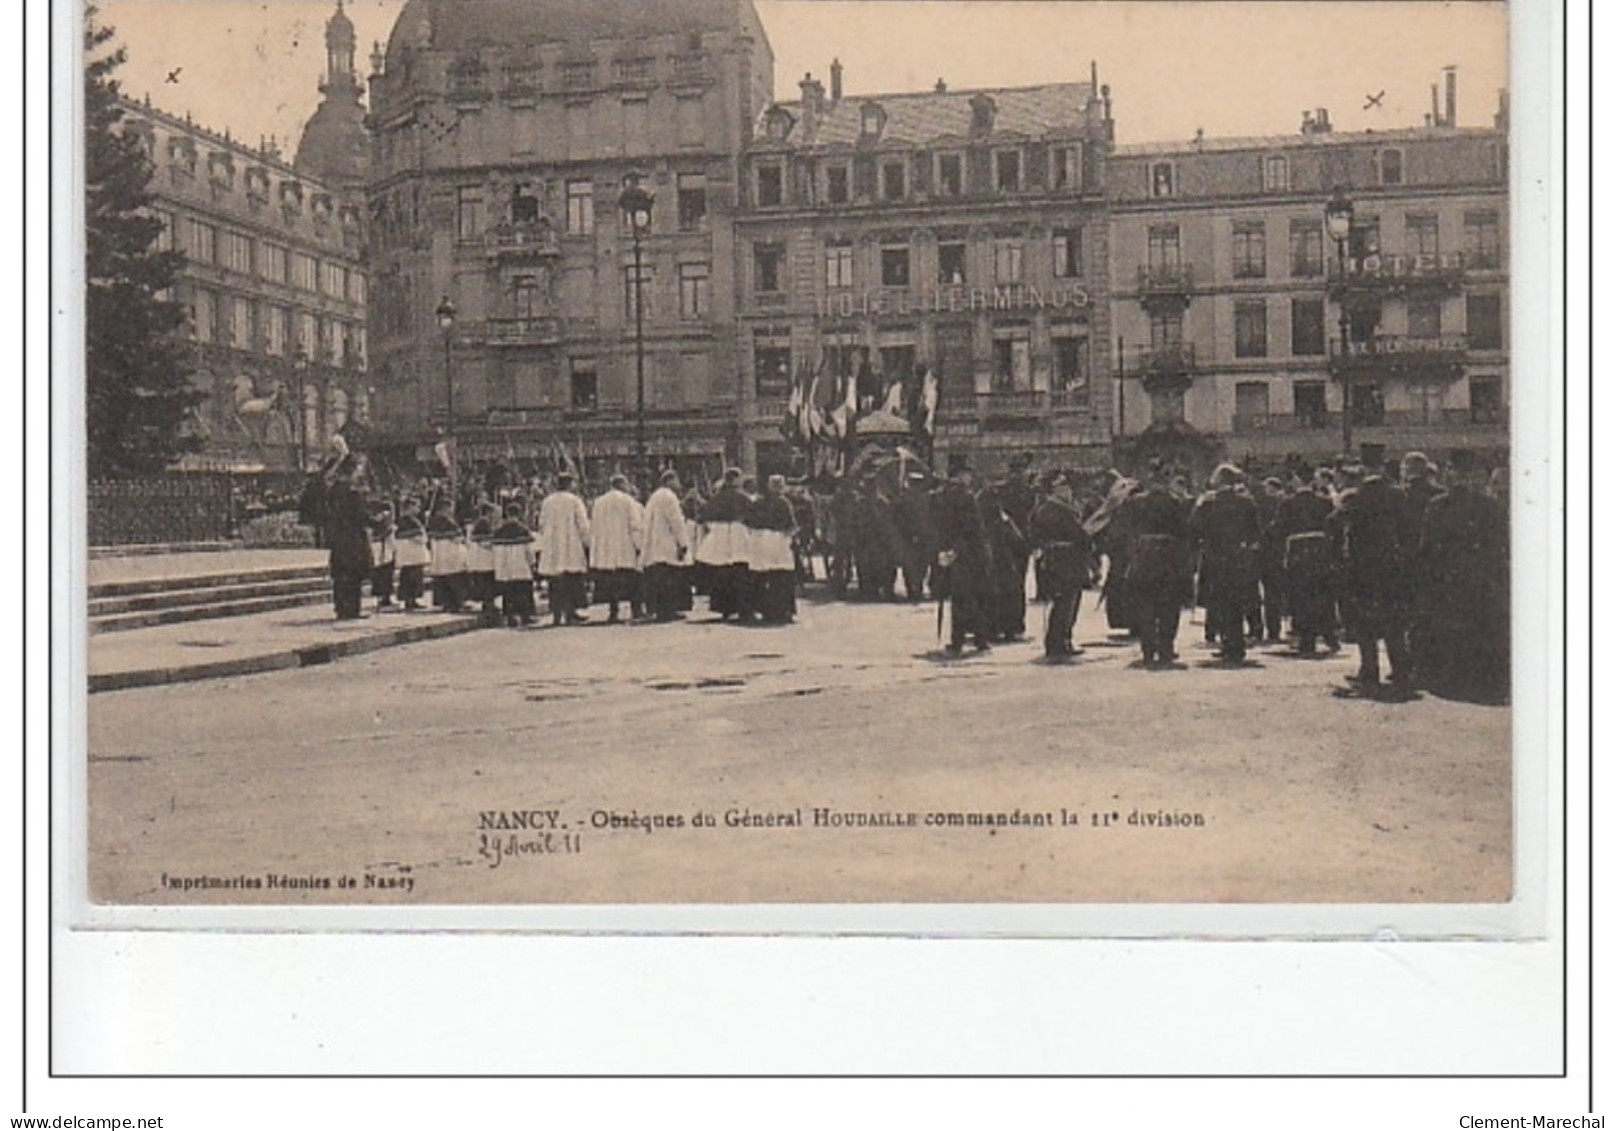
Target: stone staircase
<point x="121" y="605"/>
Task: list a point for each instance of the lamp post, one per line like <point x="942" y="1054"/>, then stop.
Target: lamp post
<point x="636" y="203"/>
<point x="1337" y="220"/>
<point x="445" y="320"/>
<point x="300" y="373"/>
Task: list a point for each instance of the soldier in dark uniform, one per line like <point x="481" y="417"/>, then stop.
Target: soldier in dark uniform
<point x="1376" y="544"/>
<point x="1464" y="555"/>
<point x="1006" y="542"/>
<point x="1153" y="526"/>
<point x="965" y="561"/>
<point x="1300" y="532"/>
<point x="1066" y="556"/>
<point x="1227" y="532"/>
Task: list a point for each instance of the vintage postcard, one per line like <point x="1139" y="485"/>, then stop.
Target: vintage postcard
<point x="760" y="464"/>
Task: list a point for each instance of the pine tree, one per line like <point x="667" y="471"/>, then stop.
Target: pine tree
<point x="137" y="366"/>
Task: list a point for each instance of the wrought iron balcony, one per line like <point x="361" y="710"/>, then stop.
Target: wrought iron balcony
<point x="1395" y="274"/>
<point x="521" y="241"/>
<point x="1166" y="279"/>
<point x="1167" y="367"/>
<point x="1368" y="415"/>
<point x="1013" y="402"/>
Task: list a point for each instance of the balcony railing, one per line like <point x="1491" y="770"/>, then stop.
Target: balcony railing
<point x="532" y="331"/>
<point x="1013" y="402"/>
<point x="1399" y="351"/>
<point x="521" y="240"/>
<point x="1171" y="365"/>
<point x="1368" y="416"/>
<point x="1393" y="273"/>
<point x="1166" y="278"/>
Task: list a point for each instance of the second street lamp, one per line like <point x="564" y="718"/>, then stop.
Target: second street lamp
<point x="445" y="320"/>
<point x="1337" y="216"/>
<point x="636" y="203"/>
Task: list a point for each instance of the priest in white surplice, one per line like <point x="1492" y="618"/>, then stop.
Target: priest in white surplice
<point x="617" y="534"/>
<point x="563" y="550"/>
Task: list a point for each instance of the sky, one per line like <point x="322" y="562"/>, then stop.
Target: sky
<point x="1228" y="67"/>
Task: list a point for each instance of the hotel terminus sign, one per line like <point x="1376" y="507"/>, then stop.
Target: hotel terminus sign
<point x="951" y="300"/>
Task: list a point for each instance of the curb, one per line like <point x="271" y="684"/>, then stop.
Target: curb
<point x="147" y="549"/>
<point x="306" y="657"/>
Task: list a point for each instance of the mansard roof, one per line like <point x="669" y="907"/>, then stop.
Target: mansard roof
<point x="932" y="116"/>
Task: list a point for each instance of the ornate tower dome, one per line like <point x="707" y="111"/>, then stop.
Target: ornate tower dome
<point x="335" y="146"/>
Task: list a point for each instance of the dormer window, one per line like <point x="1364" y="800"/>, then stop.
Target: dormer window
<point x="257" y="185"/>
<point x="1390" y="166"/>
<point x="1008" y="164"/>
<point x="982" y="112"/>
<point x="770" y="186"/>
<point x="182" y="153"/>
<point x="779" y="123"/>
<point x="221" y="170"/>
<point x="291" y="196"/>
<point x="894" y="179"/>
<point x="872" y="120"/>
<point x="1068" y="167"/>
<point x="837" y="184"/>
<point x="1163" y="182"/>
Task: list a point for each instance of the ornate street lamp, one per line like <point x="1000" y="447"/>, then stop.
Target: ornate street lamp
<point x="445" y="321"/>
<point x="300" y="375"/>
<point x="636" y="203"/>
<point x="1337" y="216"/>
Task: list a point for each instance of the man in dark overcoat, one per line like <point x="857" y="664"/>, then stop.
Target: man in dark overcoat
<point x="1153" y="526"/>
<point x="964" y="557"/>
<point x="1377" y="543"/>
<point x="1227" y="533"/>
<point x="346" y="526"/>
<point x="1066" y="557"/>
<point x="1299" y="532"/>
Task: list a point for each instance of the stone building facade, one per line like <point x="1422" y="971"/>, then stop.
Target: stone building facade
<point x="504" y="133"/>
<point x="1229" y="291"/>
<point x="274" y="284"/>
<point x="962" y="232"/>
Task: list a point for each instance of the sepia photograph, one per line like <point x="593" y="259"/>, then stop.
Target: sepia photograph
<point x="681" y="454"/>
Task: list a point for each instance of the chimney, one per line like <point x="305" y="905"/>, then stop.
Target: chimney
<point x="1435" y="104"/>
<point x="1307" y="125"/>
<point x="1500" y="119"/>
<point x="1320" y="118"/>
<point x="941" y="86"/>
<point x="835" y="80"/>
<point x="1452" y="97"/>
<point x="812" y="105"/>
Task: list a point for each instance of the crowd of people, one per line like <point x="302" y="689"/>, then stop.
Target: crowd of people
<point x="487" y="553"/>
<point x="1410" y="559"/>
<point x="1407" y="559"/>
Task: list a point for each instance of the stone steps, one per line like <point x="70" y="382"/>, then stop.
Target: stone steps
<point x="121" y="606"/>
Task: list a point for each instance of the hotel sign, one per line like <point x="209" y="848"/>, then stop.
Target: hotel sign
<point x="951" y="300"/>
<point x="1410" y="267"/>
